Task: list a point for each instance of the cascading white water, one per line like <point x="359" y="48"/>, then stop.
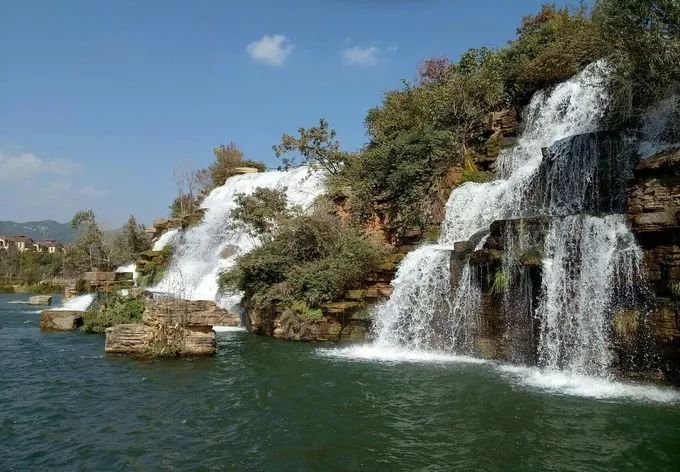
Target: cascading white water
<point x="572" y="107"/>
<point x="167" y="238"/>
<point x="213" y="245"/>
<point x="78" y="303"/>
<point x="423" y="297"/>
<point x="587" y="261"/>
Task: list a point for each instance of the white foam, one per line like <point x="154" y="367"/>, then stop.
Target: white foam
<point x="370" y="352"/>
<point x="561" y="382"/>
<point x="228" y="329"/>
<point x="79" y="303"/>
<point x="166" y="238"/>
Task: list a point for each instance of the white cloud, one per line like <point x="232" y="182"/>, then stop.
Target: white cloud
<point x="358" y="56"/>
<point x="272" y="50"/>
<point x="24" y="166"/>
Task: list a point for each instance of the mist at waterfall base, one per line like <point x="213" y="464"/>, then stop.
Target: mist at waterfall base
<point x="264" y="405"/>
<point x="213" y="245"/>
<point x="588" y="261"/>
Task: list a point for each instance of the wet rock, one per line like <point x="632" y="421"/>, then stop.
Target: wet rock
<point x="40" y="300"/>
<point x="60" y="320"/>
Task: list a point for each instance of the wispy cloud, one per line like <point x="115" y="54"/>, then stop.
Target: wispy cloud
<point x="366" y="56"/>
<point x="271" y="50"/>
<point x="25" y="165"/>
<point x="44" y="188"/>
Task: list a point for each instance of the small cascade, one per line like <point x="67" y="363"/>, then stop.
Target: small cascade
<point x="427" y="308"/>
<point x="212" y="246"/>
<point x="77" y="303"/>
<point x="166" y="239"/>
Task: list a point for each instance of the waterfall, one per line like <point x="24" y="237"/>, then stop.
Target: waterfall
<point x="424" y="298"/>
<point x="588" y="260"/>
<point x="78" y="303"/>
<point x="167" y="239"/>
<point x="213" y="245"/>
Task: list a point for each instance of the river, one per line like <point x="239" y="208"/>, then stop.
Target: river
<point x="262" y="404"/>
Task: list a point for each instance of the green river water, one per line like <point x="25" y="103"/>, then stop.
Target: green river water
<point x="261" y="404"/>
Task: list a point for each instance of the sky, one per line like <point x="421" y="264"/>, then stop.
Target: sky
<point x="100" y="99"/>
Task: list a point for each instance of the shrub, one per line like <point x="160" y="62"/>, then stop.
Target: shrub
<point x="309" y="259"/>
<point x="227" y="158"/>
<point x="259" y="211"/>
<point x="112" y="310"/>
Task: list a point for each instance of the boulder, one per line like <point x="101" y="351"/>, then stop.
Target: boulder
<point x="245" y="170"/>
<point x="60" y="320"/>
<point x="143" y="340"/>
<point x="40" y="300"/>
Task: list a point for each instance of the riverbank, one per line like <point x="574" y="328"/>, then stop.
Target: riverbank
<point x="264" y="404"/>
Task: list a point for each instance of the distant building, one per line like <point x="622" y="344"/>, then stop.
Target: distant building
<point x="24" y="243"/>
<point x="49" y="245"/>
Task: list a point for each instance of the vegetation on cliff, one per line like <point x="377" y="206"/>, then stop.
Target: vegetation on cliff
<point x="306" y="259"/>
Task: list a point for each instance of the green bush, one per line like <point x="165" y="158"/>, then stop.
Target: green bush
<point x="310" y="259"/>
<point x="6" y="289"/>
<point x="112" y="310"/>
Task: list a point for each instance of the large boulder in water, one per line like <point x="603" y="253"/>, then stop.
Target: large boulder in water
<point x="60" y="320"/>
<point x="40" y="300"/>
<point x="143" y="340"/>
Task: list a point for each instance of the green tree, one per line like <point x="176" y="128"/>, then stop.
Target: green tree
<point x="316" y="147"/>
<point x="260" y="211"/>
<point x="128" y="242"/>
<point x="88" y="250"/>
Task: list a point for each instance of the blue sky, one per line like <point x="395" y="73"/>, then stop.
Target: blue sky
<point x="98" y="99"/>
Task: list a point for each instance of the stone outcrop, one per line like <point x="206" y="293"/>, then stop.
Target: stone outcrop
<point x="171" y="327"/>
<point x="40" y="300"/>
<point x="292" y="327"/>
<point x="345" y="319"/>
<point x="60" y="320"/>
<point x="143" y="340"/>
<point x="187" y="312"/>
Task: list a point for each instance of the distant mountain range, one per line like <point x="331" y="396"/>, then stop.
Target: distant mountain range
<point x="47" y="229"/>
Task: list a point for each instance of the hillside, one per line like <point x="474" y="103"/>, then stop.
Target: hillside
<point x="46" y="229"/>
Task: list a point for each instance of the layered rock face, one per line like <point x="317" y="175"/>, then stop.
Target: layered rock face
<point x="171" y="327"/>
<point x="654" y="216"/>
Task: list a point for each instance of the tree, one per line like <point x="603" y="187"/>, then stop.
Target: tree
<point x="128" y="242"/>
<point x="260" y="211"/>
<point x="645" y="38"/>
<point x="316" y="146"/>
<point x="88" y="250"/>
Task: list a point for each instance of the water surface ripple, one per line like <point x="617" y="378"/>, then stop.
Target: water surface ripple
<point x="260" y="404"/>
